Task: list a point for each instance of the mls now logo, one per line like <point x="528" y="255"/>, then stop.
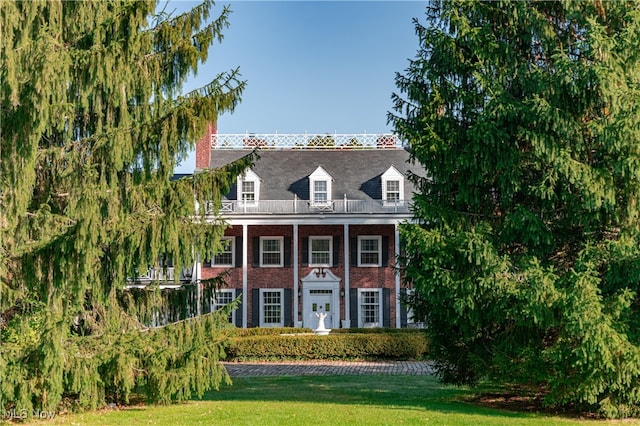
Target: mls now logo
<point x="20" y="414"/>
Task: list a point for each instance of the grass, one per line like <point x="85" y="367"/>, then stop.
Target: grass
<point x="325" y="400"/>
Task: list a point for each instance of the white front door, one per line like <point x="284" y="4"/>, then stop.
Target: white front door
<point x="321" y="294"/>
<point x="320" y="301"/>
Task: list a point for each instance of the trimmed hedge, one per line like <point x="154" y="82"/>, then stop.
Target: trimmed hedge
<point x="344" y="345"/>
<point x="264" y="331"/>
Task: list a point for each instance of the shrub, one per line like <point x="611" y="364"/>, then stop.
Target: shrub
<point x="343" y="345"/>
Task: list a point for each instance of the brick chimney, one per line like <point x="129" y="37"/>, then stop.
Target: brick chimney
<point x="204" y="145"/>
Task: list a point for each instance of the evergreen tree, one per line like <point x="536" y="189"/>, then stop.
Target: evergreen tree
<point x="525" y="258"/>
<point x="93" y="124"/>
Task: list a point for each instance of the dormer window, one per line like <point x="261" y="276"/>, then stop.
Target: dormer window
<point x="393" y="190"/>
<point x="248" y="190"/>
<point x="392" y="187"/>
<point x="320" y="187"/>
<point x="249" y="187"/>
<point x="320" y="192"/>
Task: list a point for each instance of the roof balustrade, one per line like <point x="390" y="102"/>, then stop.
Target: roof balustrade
<point x="304" y="141"/>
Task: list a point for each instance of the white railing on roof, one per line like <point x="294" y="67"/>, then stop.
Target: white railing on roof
<point x="297" y="206"/>
<point x="304" y="141"/>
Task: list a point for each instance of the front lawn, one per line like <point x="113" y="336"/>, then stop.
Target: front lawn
<point x="324" y="400"/>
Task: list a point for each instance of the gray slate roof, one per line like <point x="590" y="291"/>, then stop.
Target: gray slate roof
<point x="356" y="173"/>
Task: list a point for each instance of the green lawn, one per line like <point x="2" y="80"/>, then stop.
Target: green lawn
<point x="324" y="400"/>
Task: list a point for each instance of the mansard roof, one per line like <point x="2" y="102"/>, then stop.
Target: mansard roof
<point x="356" y="173"/>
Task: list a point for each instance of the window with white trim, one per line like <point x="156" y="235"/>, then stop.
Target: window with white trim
<point x="225" y="257"/>
<point x="393" y="190"/>
<point x="320" y="187"/>
<point x="271" y="251"/>
<point x="248" y="192"/>
<point x="271" y="307"/>
<point x="221" y="298"/>
<point x="320" y="192"/>
<point x="370" y="307"/>
<point x="320" y="251"/>
<point x="369" y="250"/>
<point x="392" y="187"/>
<point x="248" y="188"/>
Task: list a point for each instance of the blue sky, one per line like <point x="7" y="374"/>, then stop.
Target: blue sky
<point x="311" y="66"/>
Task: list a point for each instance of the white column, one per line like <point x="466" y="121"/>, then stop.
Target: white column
<point x="196" y="278"/>
<point x="296" y="306"/>
<point x="397" y="254"/>
<point x="245" y="286"/>
<point x="347" y="308"/>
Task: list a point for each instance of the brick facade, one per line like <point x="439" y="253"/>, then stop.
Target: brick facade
<point x="265" y="277"/>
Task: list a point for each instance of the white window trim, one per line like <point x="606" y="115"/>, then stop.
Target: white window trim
<point x="278" y="290"/>
<point x="320" y="175"/>
<point x="392" y="174"/>
<point x="281" y="264"/>
<point x="232" y="245"/>
<point x="361" y="323"/>
<point x="217" y="306"/>
<point x="249" y="176"/>
<point x="324" y="237"/>
<point x="369" y="237"/>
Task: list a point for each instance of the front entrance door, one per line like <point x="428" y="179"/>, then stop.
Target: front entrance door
<point x="321" y="294"/>
<point x="321" y="301"/>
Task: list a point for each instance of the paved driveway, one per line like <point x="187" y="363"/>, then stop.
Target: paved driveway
<point x="318" y="368"/>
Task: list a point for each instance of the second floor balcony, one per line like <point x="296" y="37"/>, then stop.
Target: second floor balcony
<point x="305" y="207"/>
<point x="169" y="276"/>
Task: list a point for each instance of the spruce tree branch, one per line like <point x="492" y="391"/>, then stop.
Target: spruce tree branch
<point x="221" y="88"/>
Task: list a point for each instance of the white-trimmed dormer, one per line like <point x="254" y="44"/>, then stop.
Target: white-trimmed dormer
<point x="248" y="187"/>
<point x="392" y="187"/>
<point x="320" y="187"/>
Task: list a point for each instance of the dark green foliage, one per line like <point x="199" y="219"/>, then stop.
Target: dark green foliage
<point x="350" y="345"/>
<point x="526" y="257"/>
<point x="92" y="128"/>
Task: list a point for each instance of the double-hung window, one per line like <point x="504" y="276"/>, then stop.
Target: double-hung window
<point x="370" y="307"/>
<point x="393" y="191"/>
<point x="320" y="250"/>
<point x="370" y="250"/>
<point x="222" y="298"/>
<point x="225" y="257"/>
<point x="248" y="191"/>
<point x="271" y="307"/>
<point x="320" y="192"/>
<point x="271" y="251"/>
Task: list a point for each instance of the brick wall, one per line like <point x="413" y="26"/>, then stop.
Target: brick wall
<point x="282" y="277"/>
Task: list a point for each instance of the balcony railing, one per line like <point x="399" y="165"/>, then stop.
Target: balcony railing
<point x="163" y="275"/>
<point x="304" y="141"/>
<point x="296" y="206"/>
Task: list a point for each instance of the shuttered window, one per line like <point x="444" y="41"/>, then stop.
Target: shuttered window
<point x="271" y="251"/>
<point x="271" y="308"/>
<point x="225" y="257"/>
<point x="369" y="251"/>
